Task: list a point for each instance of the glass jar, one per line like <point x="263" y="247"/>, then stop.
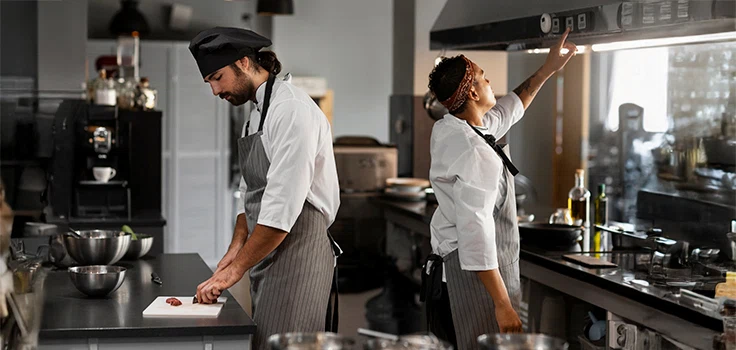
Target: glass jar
<point x="145" y="98"/>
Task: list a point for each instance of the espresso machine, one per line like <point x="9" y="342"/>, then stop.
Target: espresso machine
<point x="106" y="162"/>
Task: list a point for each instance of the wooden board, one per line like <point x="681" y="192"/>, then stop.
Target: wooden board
<point x="588" y="261"/>
<point x="187" y="309"/>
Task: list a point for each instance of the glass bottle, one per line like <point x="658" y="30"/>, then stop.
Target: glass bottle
<point x="105" y="93"/>
<point x="601" y="218"/>
<point x="578" y="201"/>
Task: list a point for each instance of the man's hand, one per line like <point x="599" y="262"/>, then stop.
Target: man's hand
<point x="210" y="290"/>
<point x="226" y="260"/>
<point x="556" y="59"/>
<point x="508" y="320"/>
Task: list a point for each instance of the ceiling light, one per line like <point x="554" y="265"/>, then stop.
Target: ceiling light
<point x="580" y="49"/>
<point x="638" y="44"/>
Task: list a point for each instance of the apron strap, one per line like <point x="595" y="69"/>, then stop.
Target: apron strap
<point x="491" y="141"/>
<point x="266" y="100"/>
<point x="431" y="289"/>
<point x="333" y="315"/>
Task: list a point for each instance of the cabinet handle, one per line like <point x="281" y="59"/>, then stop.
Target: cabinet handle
<point x="399" y="126"/>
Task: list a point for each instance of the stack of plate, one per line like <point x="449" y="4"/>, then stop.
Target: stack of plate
<point x="409" y="189"/>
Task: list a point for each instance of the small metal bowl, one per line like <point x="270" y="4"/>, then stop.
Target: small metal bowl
<point x="97" y="280"/>
<point x="139" y="247"/>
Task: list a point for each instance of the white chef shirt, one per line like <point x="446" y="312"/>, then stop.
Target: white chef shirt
<point x="298" y="144"/>
<point x="465" y="174"/>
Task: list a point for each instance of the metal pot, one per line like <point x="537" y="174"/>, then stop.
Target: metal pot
<point x="557" y="235"/>
<point x="58" y="254"/>
<point x="434" y="108"/>
<point x="309" y="341"/>
<point x="520" y="342"/>
<point x="720" y="151"/>
<point x="408" y="342"/>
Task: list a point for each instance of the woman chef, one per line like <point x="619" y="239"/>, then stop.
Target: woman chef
<point x="290" y="189"/>
<point x="473" y="275"/>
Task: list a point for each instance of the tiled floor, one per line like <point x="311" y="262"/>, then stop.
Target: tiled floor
<point x="352" y="306"/>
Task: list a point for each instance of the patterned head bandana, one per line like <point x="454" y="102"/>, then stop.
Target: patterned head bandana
<point x="461" y="94"/>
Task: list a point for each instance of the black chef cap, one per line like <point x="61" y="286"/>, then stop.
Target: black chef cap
<point x="220" y="46"/>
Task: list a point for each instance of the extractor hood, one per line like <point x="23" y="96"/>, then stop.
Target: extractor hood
<point x="529" y="24"/>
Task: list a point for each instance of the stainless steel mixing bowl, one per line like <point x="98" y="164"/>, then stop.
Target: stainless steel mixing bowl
<point x="97" y="247"/>
<point x="97" y="280"/>
<point x="139" y="247"/>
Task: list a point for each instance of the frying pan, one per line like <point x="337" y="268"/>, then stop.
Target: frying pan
<point x="541" y="234"/>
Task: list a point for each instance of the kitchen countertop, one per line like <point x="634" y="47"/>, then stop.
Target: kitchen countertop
<point x="616" y="280"/>
<point x="619" y="281"/>
<point x="70" y="314"/>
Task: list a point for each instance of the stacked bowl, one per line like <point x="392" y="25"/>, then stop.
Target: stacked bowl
<point x="96" y="251"/>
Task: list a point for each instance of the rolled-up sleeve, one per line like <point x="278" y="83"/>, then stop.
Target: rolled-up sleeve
<point x="293" y="140"/>
<point x="507" y="111"/>
<point x="475" y="191"/>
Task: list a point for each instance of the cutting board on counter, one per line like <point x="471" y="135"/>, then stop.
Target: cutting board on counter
<point x="588" y="261"/>
<point x="187" y="309"/>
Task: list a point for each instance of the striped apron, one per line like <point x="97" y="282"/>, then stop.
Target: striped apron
<point x="290" y="288"/>
<point x="472" y="309"/>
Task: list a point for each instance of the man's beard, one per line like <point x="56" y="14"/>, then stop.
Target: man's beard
<point x="243" y="91"/>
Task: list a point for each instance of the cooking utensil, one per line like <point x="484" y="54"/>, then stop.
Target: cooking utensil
<point x="58" y="255"/>
<point x="376" y="334"/>
<point x="588" y="261"/>
<point x="416" y="341"/>
<point x="75" y="233"/>
<point x="157" y="280"/>
<point x="626" y="239"/>
<point x="561" y="216"/>
<point x="97" y="280"/>
<point x="520" y="342"/>
<point x="322" y="340"/>
<point x="139" y="247"/>
<point x="434" y="108"/>
<point x="97" y="247"/>
<point x="410" y="185"/>
<point x="596" y="330"/>
<point x="550" y="234"/>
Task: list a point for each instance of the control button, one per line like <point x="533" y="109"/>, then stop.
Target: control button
<point x="582" y="22"/>
<point x="556" y="25"/>
<point x="545" y="23"/>
<point x="627" y="14"/>
<point x="570" y="23"/>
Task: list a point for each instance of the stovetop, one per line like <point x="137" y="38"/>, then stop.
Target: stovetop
<point x="697" y="277"/>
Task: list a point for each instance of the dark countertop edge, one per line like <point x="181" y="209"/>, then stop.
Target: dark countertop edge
<point x="146" y="332"/>
<point x="628" y="292"/>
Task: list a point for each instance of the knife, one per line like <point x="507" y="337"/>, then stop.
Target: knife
<point x="156" y="279"/>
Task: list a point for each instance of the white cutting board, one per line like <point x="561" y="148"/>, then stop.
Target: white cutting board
<point x="187" y="309"/>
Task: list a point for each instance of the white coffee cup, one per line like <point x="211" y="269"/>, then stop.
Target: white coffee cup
<point x="103" y="174"/>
